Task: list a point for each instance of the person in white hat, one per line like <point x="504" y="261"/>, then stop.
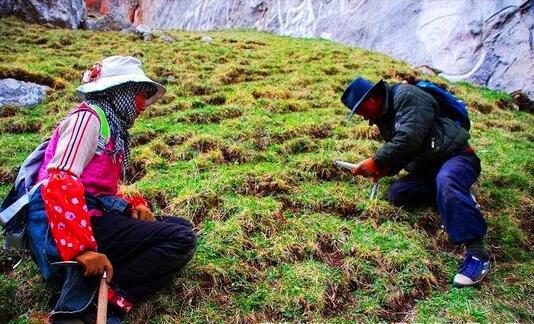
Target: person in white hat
<point x="78" y="214"/>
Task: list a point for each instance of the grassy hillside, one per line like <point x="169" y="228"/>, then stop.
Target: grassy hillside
<point x="242" y="144"/>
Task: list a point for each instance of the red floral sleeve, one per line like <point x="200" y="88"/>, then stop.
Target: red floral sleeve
<point x="68" y="216"/>
<point x="134" y="200"/>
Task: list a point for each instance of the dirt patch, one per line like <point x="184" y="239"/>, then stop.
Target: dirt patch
<point x="232" y="75"/>
<point x="508" y="125"/>
<point x="176" y="140"/>
<point x="328" y="252"/>
<point x="299" y="145"/>
<point x="331" y="70"/>
<point x="166" y="99"/>
<point x="205" y="144"/>
<point x="346" y="209"/>
<point x="525" y="215"/>
<point x="9" y="111"/>
<point x="8" y="176"/>
<point x="236" y="74"/>
<point x="198" y="206"/>
<point x="164" y="72"/>
<point x="158" y="111"/>
<point x="235" y="154"/>
<point x="164" y="151"/>
<point x="136" y="171"/>
<point x="229" y="40"/>
<point x="158" y="199"/>
<point x="20" y="127"/>
<point x="29" y="76"/>
<point x="319" y="131"/>
<point x="207" y="286"/>
<point x="255" y="42"/>
<point x="430" y="223"/>
<point x="410" y="76"/>
<point x="216" y="100"/>
<point x="262" y="186"/>
<point x="326" y="170"/>
<point x="286" y="106"/>
<point x="316" y="131"/>
<point x="203" y="117"/>
<point x="400" y="305"/>
<point x="201" y="89"/>
<point x="482" y="107"/>
<point x="142" y="138"/>
<point x="242" y="46"/>
<point x="271" y="93"/>
<point x="337" y="298"/>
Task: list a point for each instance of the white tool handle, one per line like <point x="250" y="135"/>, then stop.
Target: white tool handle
<point x="102" y="308"/>
<point x="346" y="165"/>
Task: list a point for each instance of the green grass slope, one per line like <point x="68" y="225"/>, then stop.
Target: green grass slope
<point x="242" y="144"/>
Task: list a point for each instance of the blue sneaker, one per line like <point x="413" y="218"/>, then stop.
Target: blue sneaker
<point x="471" y="272"/>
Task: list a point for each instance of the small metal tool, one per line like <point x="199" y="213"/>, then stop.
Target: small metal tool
<point x="374" y="190"/>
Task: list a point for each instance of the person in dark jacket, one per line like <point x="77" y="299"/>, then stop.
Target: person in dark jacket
<point x="435" y="151"/>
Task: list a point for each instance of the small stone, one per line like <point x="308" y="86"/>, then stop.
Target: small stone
<point x="207" y="39"/>
<point x="127" y="31"/>
<point x="147" y="37"/>
<point x="425" y="69"/>
<point x="167" y="38"/>
<point x="21" y="94"/>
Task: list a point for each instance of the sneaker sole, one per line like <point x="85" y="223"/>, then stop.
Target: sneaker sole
<point x="476" y="283"/>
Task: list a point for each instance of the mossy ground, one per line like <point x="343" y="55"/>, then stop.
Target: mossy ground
<point x="242" y="144"/>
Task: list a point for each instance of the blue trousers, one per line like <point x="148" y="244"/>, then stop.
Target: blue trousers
<point x="450" y="187"/>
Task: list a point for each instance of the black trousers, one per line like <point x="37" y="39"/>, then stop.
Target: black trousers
<point x="143" y="254"/>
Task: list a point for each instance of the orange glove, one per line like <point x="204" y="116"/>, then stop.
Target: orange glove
<point x="368" y="169"/>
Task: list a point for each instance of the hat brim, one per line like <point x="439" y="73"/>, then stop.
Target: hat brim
<point x="104" y="83"/>
<point x="379" y="85"/>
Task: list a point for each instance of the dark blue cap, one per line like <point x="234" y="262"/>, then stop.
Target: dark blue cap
<point x="357" y="91"/>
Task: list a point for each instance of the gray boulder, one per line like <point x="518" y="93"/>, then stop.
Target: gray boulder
<point x="22" y="94"/>
<point x="102" y="22"/>
<point x="62" y="13"/>
<point x="167" y="38"/>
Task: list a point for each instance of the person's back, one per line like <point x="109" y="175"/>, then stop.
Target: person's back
<point x="412" y="120"/>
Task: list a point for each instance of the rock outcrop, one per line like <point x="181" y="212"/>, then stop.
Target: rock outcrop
<point x="61" y="13"/>
<point x="110" y="14"/>
<point x="21" y="94"/>
<point x="487" y="42"/>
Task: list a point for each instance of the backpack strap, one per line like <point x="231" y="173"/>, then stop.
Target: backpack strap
<point x="7" y="214"/>
<point x="104" y="125"/>
<point x="105" y="133"/>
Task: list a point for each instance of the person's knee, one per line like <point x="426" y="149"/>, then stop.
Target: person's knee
<point x="183" y="237"/>
<point x="396" y="195"/>
<point x="446" y="184"/>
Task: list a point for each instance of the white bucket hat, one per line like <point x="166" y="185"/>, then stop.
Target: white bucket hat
<point x="115" y="70"/>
